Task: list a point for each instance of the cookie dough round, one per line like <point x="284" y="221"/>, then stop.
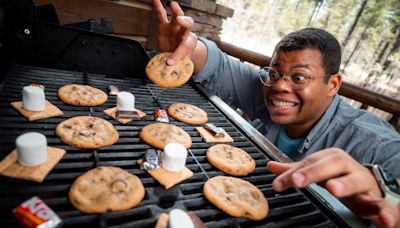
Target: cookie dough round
<point x="160" y="134"/>
<point x="87" y="132"/>
<point x="231" y="160"/>
<point x="188" y="113"/>
<point x="82" y="95"/>
<point x="105" y="189"/>
<point x="236" y="197"/>
<point x="166" y="76"/>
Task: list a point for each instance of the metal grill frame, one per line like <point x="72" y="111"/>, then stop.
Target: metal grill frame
<point x="291" y="208"/>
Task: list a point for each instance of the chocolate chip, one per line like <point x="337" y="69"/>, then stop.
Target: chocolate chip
<point x="119" y="185"/>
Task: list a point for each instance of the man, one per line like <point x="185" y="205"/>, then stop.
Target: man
<point x="302" y="113"/>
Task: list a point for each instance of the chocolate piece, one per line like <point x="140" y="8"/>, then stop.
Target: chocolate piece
<point x="128" y="115"/>
<point x="35" y="213"/>
<point x="151" y="159"/>
<point x="113" y="89"/>
<point x="215" y="131"/>
<point x="161" y="115"/>
<point x="196" y="220"/>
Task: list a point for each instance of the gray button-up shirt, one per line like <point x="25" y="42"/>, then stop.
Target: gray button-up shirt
<point x="366" y="137"/>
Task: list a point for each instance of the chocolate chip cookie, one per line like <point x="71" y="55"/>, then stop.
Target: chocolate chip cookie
<point x="187" y="113"/>
<point x="105" y="189"/>
<point x="160" y="134"/>
<point x="82" y="95"/>
<point x="231" y="160"/>
<point x="236" y="197"/>
<point x="166" y="76"/>
<point x="87" y="132"/>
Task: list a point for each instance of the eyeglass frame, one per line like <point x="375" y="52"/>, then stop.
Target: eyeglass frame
<point x="286" y="77"/>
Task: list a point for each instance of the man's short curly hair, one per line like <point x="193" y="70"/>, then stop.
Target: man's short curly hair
<point x="318" y="39"/>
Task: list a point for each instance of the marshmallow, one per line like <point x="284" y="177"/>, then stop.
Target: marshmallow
<point x="33" y="98"/>
<point x="179" y="218"/>
<point x="31" y="149"/>
<point x="174" y="157"/>
<point x="125" y="101"/>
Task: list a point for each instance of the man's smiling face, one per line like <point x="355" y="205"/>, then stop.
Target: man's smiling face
<point x="299" y="110"/>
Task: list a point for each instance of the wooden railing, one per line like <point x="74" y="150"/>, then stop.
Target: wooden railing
<point x="365" y="96"/>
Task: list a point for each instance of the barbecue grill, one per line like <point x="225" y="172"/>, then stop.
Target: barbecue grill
<point x="54" y="56"/>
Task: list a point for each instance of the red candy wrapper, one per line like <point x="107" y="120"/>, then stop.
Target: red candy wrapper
<point x="161" y="115"/>
<point x="35" y="213"/>
<point x="37" y="85"/>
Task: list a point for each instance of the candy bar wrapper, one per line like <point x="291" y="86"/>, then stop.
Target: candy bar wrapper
<point x="161" y="115"/>
<point x="151" y="159"/>
<point x="38" y="85"/>
<point x="215" y="131"/>
<point x="113" y="90"/>
<point x="35" y="213"/>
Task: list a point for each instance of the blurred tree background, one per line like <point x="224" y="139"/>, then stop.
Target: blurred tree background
<point x="368" y="31"/>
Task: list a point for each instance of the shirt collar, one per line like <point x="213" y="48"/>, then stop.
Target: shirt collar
<point x="322" y="125"/>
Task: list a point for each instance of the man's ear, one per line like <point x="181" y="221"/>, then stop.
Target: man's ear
<point x="334" y="83"/>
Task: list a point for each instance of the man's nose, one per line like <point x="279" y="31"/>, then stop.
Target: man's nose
<point x="282" y="84"/>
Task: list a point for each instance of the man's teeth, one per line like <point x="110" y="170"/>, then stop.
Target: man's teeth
<point x="282" y="104"/>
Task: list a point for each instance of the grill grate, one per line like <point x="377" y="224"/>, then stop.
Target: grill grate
<point x="290" y="208"/>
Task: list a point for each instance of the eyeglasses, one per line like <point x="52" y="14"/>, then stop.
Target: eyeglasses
<point x="297" y="80"/>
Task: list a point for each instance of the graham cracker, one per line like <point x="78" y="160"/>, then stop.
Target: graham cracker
<point x="166" y="178"/>
<point x="112" y="112"/>
<point x="162" y="221"/>
<point x="50" y="110"/>
<point x="209" y="138"/>
<point x="10" y="166"/>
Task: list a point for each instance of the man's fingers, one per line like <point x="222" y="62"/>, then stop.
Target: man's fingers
<point x="319" y="169"/>
<point x="278" y="167"/>
<point x="184" y="49"/>
<point x="176" y="11"/>
<point x="314" y="169"/>
<point x="354" y="183"/>
<point x="185" y="22"/>
<point x="292" y="177"/>
<point x="189" y="40"/>
<point x="389" y="214"/>
<point x="160" y="11"/>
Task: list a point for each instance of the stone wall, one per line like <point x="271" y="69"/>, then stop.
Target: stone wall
<point x="208" y="16"/>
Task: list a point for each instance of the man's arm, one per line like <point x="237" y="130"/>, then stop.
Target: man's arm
<point x="344" y="178"/>
<point x="175" y="36"/>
